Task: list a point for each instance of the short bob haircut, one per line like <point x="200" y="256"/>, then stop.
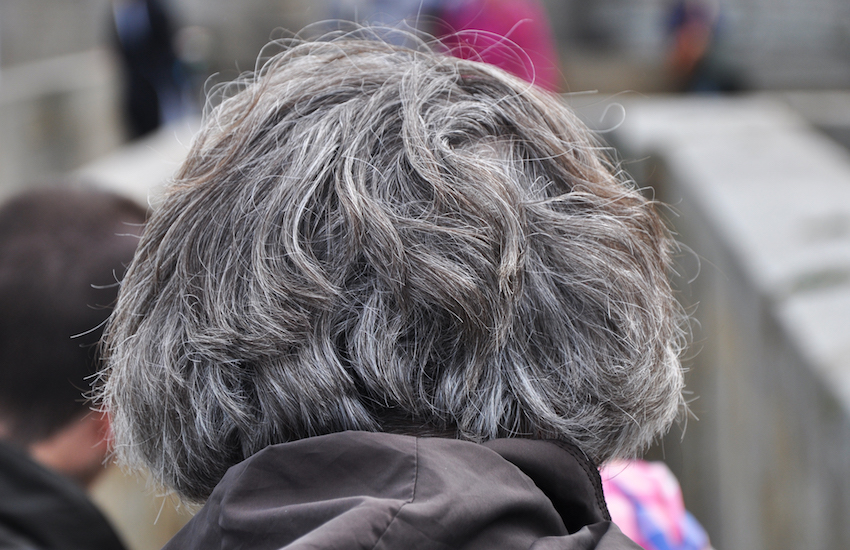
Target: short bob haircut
<point x="376" y="237"/>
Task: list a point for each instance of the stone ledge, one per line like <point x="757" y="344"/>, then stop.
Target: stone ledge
<point x="140" y="169"/>
<point x="776" y="192"/>
<point x="765" y="205"/>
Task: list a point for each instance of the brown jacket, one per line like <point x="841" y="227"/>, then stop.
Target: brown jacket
<point x="356" y="490"/>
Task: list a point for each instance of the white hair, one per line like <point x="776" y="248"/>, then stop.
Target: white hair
<point x="375" y="237"/>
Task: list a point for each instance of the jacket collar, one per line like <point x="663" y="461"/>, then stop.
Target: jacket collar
<point x="386" y="491"/>
<point x="563" y="473"/>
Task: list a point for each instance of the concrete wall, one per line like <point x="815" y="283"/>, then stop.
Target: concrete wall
<point x="762" y="202"/>
<point x="55" y="115"/>
<point x="32" y="30"/>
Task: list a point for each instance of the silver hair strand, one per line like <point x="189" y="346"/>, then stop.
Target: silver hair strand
<point x="376" y="237"/>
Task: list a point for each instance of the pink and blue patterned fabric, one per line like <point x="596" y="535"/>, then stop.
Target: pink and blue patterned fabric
<point x="646" y="503"/>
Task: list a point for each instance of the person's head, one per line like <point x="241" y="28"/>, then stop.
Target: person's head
<point x="369" y="237"/>
<point x="61" y="254"/>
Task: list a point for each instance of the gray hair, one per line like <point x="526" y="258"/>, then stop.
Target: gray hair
<point x="376" y="237"/>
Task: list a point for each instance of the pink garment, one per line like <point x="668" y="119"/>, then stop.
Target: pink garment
<point x="512" y="34"/>
<point x="646" y="503"/>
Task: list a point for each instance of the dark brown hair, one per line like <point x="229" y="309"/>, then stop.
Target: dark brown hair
<point x="62" y="252"/>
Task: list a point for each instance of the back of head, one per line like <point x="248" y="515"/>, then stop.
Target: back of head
<point x="374" y="237"/>
<point x="61" y="254"/>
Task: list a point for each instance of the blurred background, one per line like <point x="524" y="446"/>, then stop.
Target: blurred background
<point x="736" y="113"/>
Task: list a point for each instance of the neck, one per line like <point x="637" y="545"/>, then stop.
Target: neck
<point x="76" y="451"/>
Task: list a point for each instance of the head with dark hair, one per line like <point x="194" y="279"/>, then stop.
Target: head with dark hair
<point x="61" y="254"/>
<point x="374" y="237"/>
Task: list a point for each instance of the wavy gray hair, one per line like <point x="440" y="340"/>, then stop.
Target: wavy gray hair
<point x="375" y="237"/>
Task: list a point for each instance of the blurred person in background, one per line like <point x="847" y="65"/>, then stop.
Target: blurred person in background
<point x="514" y="35"/>
<point x="696" y="57"/>
<point x="393" y="299"/>
<point x="61" y="254"/>
<point x="155" y="83"/>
